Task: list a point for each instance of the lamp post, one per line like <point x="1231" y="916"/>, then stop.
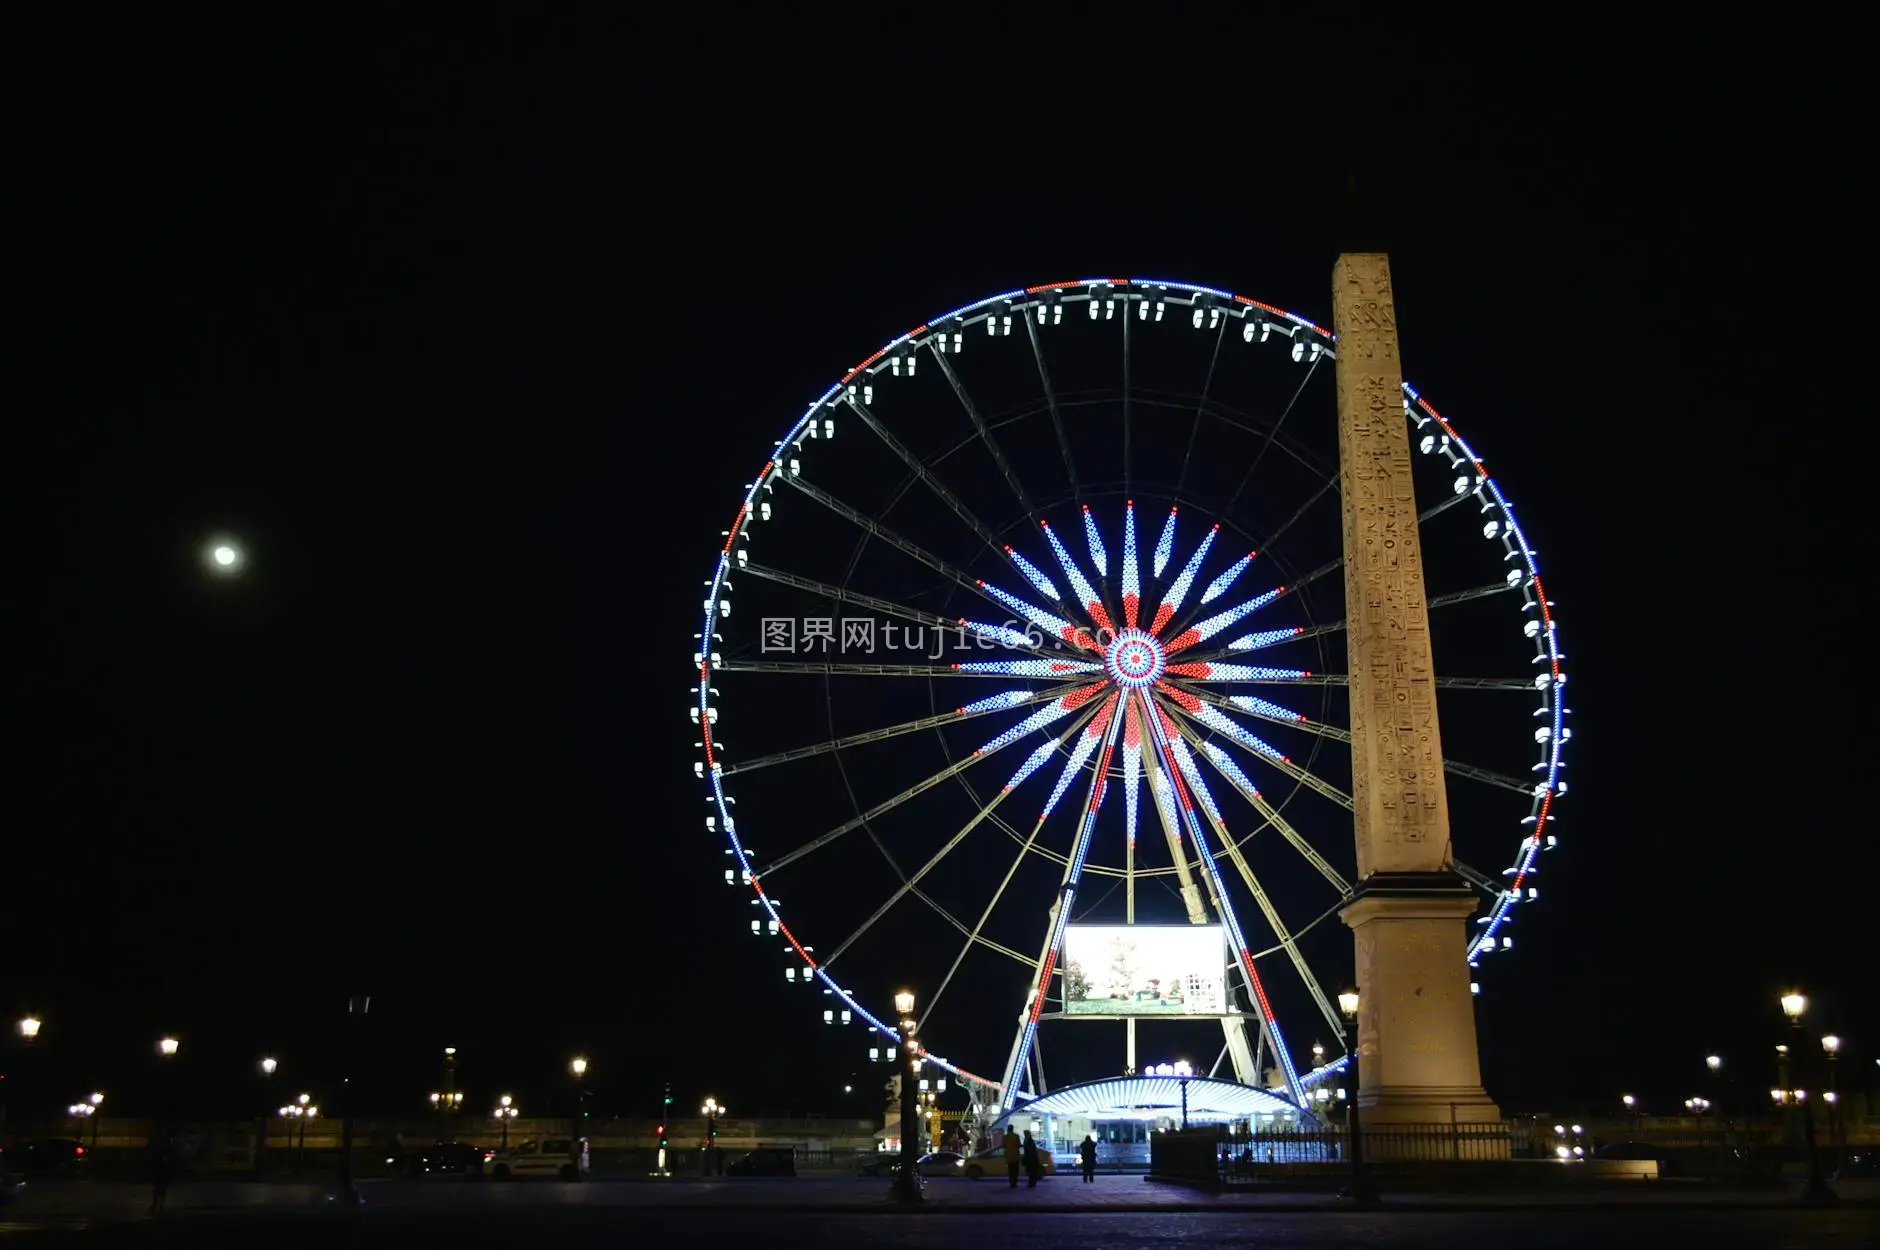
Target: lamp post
<point x="269" y="1066"/>
<point x="1360" y="1191"/>
<point x="97" y="1103"/>
<point x="506" y="1111"/>
<point x="301" y="1105"/>
<point x="27" y="1028"/>
<point x="577" y="1067"/>
<point x="711" y="1111"/>
<point x="907" y="1180"/>
<point x="1837" y="1123"/>
<point x="1714" y="1065"/>
<point x="167" y="1048"/>
<point x="80" y="1112"/>
<point x="1795" y="1006"/>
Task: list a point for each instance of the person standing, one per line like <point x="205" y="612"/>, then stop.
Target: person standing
<point x="1033" y="1168"/>
<point x="162" y="1167"/>
<point x="1012" y="1155"/>
<point x="1087" y="1154"/>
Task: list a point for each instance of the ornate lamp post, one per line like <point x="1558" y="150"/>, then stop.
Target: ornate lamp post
<point x="506" y="1110"/>
<point x="1795" y="1006"/>
<point x="578" y="1068"/>
<point x="907" y="1180"/>
<point x="27" y="1028"/>
<point x="1837" y="1123"/>
<point x="1360" y="1191"/>
<point x="167" y="1048"/>
<point x="711" y="1111"/>
<point x="97" y="1103"/>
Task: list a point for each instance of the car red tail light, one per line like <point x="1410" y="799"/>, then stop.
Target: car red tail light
<point x="81" y="1150"/>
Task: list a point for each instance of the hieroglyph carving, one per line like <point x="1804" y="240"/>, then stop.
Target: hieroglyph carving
<point x="1401" y="810"/>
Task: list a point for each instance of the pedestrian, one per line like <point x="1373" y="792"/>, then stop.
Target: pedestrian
<point x="1087" y="1153"/>
<point x="1012" y="1155"/>
<point x="1033" y="1168"/>
<point x="162" y="1166"/>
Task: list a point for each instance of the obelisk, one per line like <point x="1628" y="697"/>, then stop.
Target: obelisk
<point x="1417" y="1057"/>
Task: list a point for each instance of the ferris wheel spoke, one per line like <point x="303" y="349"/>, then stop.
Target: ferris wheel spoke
<point x="1503" y="587"/>
<point x="1061" y="908"/>
<point x="1489" y="777"/>
<point x="985" y="435"/>
<point x="1475" y="877"/>
<point x="973" y="935"/>
<point x="876" y="529"/>
<point x="1281" y="934"/>
<point x="1442" y="506"/>
<point x="881" y="809"/>
<point x="910" y="884"/>
<point x="979" y="707"/>
<point x="1037" y="669"/>
<point x="1128" y="491"/>
<point x="1001" y="635"/>
<point x="1180" y="766"/>
<point x="1273" y="637"/>
<point x="921" y="471"/>
<point x="1273" y="437"/>
<point x="1325" y="487"/>
<point x="1057" y="418"/>
<point x="1185" y="705"/>
<point x="1230" y="772"/>
<point x="1207" y="385"/>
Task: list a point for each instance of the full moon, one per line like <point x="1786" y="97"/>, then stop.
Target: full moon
<point x="223" y="557"/>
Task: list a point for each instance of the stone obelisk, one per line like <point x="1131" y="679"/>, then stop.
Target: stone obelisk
<point x="1409" y="916"/>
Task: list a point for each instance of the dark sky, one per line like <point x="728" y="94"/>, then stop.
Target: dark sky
<point x="475" y="334"/>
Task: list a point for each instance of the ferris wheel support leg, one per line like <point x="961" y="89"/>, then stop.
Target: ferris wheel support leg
<point x="1233" y="1027"/>
<point x="1054" y="935"/>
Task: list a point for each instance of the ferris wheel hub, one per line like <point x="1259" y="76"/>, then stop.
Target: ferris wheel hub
<point x="1135" y="659"/>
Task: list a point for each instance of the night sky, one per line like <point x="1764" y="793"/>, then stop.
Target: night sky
<point x="473" y="336"/>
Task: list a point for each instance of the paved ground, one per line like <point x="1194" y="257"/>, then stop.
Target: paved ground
<point x="836" y="1214"/>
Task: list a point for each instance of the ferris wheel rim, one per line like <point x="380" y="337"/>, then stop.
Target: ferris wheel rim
<point x="1126" y="290"/>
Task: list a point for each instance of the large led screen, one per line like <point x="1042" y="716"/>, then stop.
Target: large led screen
<point x="1144" y="970"/>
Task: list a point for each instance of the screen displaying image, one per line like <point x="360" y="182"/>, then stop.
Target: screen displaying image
<point x="1144" y="970"/>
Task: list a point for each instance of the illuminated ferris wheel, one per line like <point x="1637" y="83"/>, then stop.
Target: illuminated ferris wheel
<point x="1032" y="695"/>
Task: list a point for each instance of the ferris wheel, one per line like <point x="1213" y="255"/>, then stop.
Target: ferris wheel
<point x="1033" y="692"/>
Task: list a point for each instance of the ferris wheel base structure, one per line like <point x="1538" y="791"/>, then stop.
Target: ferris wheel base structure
<point x="1416" y="1046"/>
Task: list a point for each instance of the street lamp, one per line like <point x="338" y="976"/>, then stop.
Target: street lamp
<point x="1794" y="1006"/>
<point x="1360" y="1191"/>
<point x="907" y="1180"/>
<point x="168" y="1046"/>
<point x="93" y="1102"/>
<point x="579" y="1067"/>
<point x="506" y="1110"/>
<point x="1837" y="1124"/>
<point x="711" y="1111"/>
<point x="29" y="1027"/>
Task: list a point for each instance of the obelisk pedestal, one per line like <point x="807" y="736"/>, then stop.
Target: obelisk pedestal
<point x="1417" y="1058"/>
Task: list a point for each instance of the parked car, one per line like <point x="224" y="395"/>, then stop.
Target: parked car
<point x="765" y="1161"/>
<point x="444" y="1158"/>
<point x="49" y="1156"/>
<point x="992" y="1163"/>
<point x="935" y="1163"/>
<point x="10" y="1184"/>
<point x="552" y="1157"/>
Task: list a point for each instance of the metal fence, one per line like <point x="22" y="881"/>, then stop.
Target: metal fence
<point x="1230" y="1157"/>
